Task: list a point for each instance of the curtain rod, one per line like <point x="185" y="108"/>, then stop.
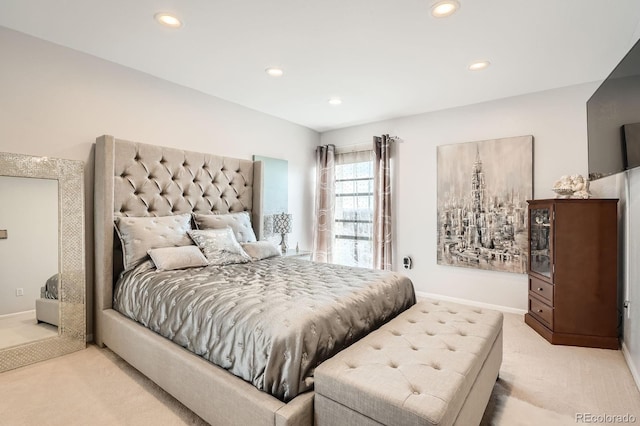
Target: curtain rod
<point x="363" y="146"/>
<point x="395" y="139"/>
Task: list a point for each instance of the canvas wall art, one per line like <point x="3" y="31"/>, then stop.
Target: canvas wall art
<point x="483" y="188"/>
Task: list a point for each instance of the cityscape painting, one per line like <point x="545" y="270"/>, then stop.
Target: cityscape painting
<point x="483" y="188"/>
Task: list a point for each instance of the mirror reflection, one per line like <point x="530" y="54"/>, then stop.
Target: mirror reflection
<point x="274" y="193"/>
<point x="29" y="260"/>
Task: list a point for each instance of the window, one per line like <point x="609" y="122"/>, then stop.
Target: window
<point x="353" y="244"/>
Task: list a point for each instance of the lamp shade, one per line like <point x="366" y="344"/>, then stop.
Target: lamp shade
<point x="282" y="223"/>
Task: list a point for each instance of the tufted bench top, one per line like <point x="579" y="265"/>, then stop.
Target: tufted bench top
<point x="416" y="369"/>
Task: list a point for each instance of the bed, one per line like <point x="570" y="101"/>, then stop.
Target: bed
<point x="48" y="305"/>
<point x="134" y="180"/>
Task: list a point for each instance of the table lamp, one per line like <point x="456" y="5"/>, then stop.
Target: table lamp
<point x="282" y="226"/>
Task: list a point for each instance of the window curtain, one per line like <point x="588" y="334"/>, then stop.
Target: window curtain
<point x="382" y="225"/>
<point x="324" y="204"/>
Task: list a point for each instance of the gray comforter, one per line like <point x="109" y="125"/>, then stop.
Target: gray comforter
<point x="270" y="322"/>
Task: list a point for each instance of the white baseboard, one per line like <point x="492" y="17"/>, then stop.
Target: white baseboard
<point x="472" y="303"/>
<point x="632" y="367"/>
<point x="32" y="311"/>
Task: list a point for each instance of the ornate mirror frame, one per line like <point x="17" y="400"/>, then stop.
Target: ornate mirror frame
<point x="72" y="329"/>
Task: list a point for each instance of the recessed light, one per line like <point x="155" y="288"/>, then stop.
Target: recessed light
<point x="168" y="20"/>
<point x="444" y="8"/>
<point x="335" y="101"/>
<point x="274" y="71"/>
<point x="479" y="65"/>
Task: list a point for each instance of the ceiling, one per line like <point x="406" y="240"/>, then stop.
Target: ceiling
<point x="383" y="58"/>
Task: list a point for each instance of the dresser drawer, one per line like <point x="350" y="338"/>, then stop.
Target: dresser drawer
<point x="542" y="312"/>
<point x="541" y="289"/>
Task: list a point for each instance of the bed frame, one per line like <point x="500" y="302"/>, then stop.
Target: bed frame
<point x="134" y="179"/>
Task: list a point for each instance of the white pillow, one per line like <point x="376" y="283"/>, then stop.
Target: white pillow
<point x="239" y="222"/>
<point x="169" y="258"/>
<point x="261" y="250"/>
<point x="219" y="246"/>
<point x="141" y="234"/>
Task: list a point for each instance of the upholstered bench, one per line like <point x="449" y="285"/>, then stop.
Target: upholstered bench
<point x="435" y="364"/>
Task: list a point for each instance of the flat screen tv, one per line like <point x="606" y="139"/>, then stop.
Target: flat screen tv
<point x="613" y="119"/>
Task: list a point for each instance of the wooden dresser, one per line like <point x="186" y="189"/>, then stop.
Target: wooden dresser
<point x="573" y="265"/>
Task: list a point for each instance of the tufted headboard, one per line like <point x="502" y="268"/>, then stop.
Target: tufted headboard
<point x="135" y="179"/>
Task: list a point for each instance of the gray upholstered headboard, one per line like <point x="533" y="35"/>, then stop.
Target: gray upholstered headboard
<point x="135" y="179"/>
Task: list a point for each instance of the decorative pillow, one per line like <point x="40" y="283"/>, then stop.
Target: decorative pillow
<point x="51" y="288"/>
<point x="169" y="258"/>
<point x="219" y="246"/>
<point x="261" y="250"/>
<point x="141" y="234"/>
<point x="239" y="222"/>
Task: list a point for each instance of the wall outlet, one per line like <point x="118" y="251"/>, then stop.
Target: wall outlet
<point x="19" y="291"/>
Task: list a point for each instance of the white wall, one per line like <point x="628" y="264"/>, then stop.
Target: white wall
<point x="556" y="119"/>
<point x="55" y="101"/>
<point x="626" y="187"/>
<point x="29" y="256"/>
<point x="631" y="292"/>
<point x="631" y="318"/>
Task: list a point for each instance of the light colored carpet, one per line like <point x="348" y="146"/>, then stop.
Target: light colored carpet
<point x="540" y="384"/>
<point x="544" y="384"/>
<point x="91" y="387"/>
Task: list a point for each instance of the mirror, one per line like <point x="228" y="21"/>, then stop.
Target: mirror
<point x="28" y="281"/>
<point x="41" y="245"/>
<point x="275" y="193"/>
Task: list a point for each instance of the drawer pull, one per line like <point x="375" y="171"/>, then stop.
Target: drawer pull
<point x="540" y="310"/>
<point x="539" y="288"/>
